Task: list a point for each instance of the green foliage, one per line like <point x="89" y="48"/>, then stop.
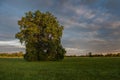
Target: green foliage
<point x="41" y="33"/>
<point x="71" y="68"/>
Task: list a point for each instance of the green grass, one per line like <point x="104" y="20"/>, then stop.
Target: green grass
<point x="71" y="68"/>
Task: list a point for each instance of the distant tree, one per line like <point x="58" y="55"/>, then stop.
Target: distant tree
<point x="41" y="33"/>
<point x="90" y="54"/>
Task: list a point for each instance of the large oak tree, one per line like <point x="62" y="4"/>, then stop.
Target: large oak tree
<point x="41" y="33"/>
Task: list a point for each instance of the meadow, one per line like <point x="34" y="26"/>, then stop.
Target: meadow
<point x="71" y="68"/>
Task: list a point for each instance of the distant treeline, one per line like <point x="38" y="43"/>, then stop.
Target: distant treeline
<point x="21" y="54"/>
<point x="106" y="55"/>
<point x="16" y="54"/>
<point x="97" y="55"/>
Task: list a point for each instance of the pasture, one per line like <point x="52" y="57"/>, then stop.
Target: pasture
<point x="71" y="68"/>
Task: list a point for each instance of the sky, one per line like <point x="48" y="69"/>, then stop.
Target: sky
<point x="89" y="25"/>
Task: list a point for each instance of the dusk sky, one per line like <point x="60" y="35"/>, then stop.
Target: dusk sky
<point x="89" y="25"/>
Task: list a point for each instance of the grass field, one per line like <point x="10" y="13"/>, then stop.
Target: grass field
<point x="71" y="68"/>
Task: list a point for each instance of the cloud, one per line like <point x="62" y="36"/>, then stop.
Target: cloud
<point x="91" y="29"/>
<point x="14" y="43"/>
<point x="88" y="2"/>
<point x="115" y="25"/>
<point x="92" y="25"/>
<point x="11" y="46"/>
<point x="113" y="6"/>
<point x="75" y="51"/>
<point x="10" y="49"/>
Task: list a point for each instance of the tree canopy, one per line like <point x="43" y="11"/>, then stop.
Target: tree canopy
<point x="41" y="33"/>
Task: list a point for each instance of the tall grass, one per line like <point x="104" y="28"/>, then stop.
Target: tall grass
<point x="71" y="68"/>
